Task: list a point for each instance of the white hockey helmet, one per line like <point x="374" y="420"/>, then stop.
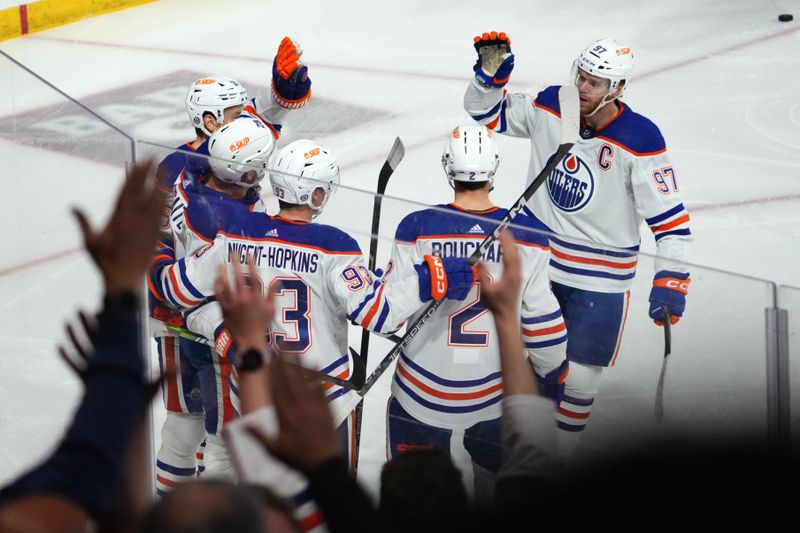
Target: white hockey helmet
<point x="302" y="167"/>
<point x="606" y="59"/>
<point x="214" y="95"/>
<point x="240" y="151"/>
<point x="470" y="154"/>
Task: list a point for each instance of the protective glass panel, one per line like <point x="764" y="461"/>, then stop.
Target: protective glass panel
<point x="56" y="155"/>
<point x="789" y="299"/>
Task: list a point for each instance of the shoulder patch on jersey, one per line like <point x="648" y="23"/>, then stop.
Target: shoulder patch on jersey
<point x="548" y="100"/>
<point x="634" y="133"/>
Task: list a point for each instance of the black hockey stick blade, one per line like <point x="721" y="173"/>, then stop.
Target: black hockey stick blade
<point x="569" y="104"/>
<point x="359" y="373"/>
<point x="659" y="407"/>
<point x="396" y="154"/>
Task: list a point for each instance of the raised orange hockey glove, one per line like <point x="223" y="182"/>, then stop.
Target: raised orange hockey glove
<point x="495" y="60"/>
<point x="291" y="86"/>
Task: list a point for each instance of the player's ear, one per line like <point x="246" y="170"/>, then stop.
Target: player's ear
<point x="210" y="122"/>
<point x="620" y="88"/>
<point x="318" y="196"/>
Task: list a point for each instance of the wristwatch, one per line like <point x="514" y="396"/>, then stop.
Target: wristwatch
<point x="250" y="360"/>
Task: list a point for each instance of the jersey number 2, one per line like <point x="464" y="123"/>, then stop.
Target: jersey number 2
<point x="457" y="334"/>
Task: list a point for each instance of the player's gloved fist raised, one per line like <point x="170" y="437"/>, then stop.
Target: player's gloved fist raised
<point x="450" y="277"/>
<point x="495" y="60"/>
<point x="291" y="86"/>
<point x="670" y="290"/>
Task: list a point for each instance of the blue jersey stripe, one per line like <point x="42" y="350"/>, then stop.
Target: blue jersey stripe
<point x="601" y="251"/>
<point x="503" y="124"/>
<point x="352" y="316"/>
<point x="578" y="401"/>
<point x="545" y="344"/>
<point x="382" y="316"/>
<point x="339" y="362"/>
<point x="175" y="470"/>
<point x="186" y="283"/>
<point x="665" y="215"/>
<point x="169" y="296"/>
<point x="543" y="318"/>
<point x="590" y="273"/>
<point x="447" y="408"/>
<point x="337" y="394"/>
<point x="489" y="113"/>
<point x="570" y="427"/>
<point x="447" y="382"/>
<point x="301" y="497"/>
<point x="684" y="231"/>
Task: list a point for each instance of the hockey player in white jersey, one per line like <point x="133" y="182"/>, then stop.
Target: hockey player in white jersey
<point x="214" y="101"/>
<point x="317" y="271"/>
<point x="448" y="379"/>
<point x="211" y="103"/>
<point x="616" y="175"/>
<point x="203" y="397"/>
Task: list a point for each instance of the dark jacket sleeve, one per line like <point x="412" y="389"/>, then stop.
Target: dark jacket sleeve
<point x="343" y="503"/>
<point x="88" y="465"/>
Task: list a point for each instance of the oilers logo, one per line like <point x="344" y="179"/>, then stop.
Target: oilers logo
<point x="571" y="184"/>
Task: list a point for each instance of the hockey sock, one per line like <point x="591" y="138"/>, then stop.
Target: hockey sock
<point x="581" y="387"/>
<point x="175" y="463"/>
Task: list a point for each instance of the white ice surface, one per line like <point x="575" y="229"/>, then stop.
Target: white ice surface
<point x="720" y="78"/>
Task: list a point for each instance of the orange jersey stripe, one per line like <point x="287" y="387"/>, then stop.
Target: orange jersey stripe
<point x="589" y="261"/>
<point x="669" y="225"/>
<point x="165" y="481"/>
<point x="571" y="414"/>
<point x="546" y="331"/>
<point x="545" y="108"/>
<point x="448" y="395"/>
<point x="176" y="289"/>
<point x="622" y="330"/>
<point x="374" y="309"/>
<point x="311" y="521"/>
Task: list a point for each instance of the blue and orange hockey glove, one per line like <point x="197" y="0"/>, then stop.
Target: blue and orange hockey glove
<point x="449" y="277"/>
<point x="495" y="60"/>
<point x="291" y="86"/>
<point x="669" y="289"/>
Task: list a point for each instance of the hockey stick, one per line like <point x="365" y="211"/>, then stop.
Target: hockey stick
<point x="396" y="155"/>
<point x="354" y="382"/>
<point x="667" y="351"/>
<point x="570" y="122"/>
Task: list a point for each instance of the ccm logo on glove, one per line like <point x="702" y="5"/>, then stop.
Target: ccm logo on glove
<point x="679" y="285"/>
<point x="438" y="276"/>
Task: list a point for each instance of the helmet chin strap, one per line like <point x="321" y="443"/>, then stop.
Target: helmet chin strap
<point x="604" y="102"/>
